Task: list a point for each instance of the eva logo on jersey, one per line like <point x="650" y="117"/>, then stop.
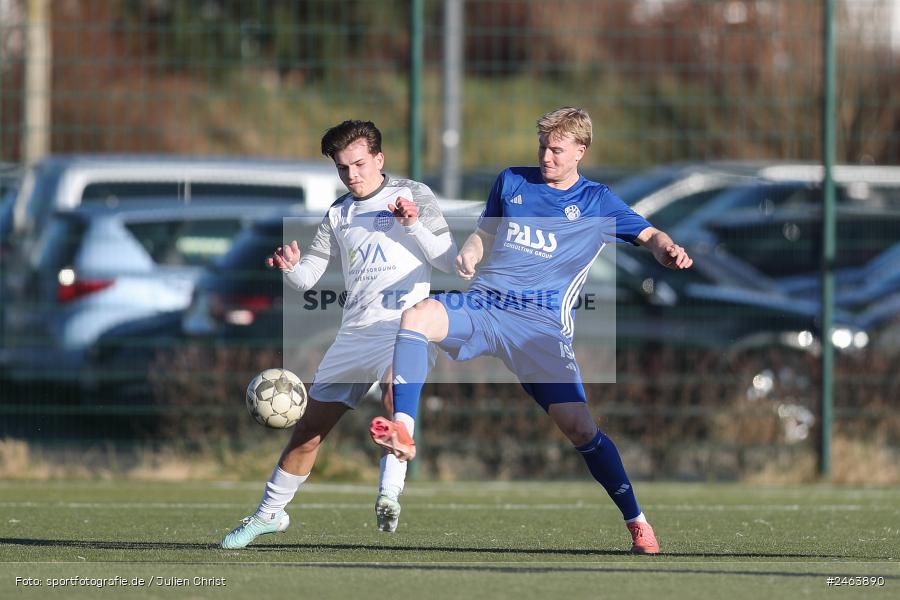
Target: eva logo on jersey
<point x="530" y="237"/>
<point x="370" y="253"/>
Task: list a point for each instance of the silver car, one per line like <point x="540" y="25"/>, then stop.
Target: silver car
<point x="94" y="268"/>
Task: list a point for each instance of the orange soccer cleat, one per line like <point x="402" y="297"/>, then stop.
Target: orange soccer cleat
<point x="643" y="538"/>
<point x="393" y="436"/>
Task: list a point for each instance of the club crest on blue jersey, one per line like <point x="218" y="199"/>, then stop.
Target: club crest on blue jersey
<point x="572" y="212"/>
<point x="384" y="220"/>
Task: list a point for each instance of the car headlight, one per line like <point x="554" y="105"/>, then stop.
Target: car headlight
<point x="805" y="339"/>
<point x="845" y="338"/>
<point x="841" y="337"/>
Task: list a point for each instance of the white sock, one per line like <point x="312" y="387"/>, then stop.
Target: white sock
<point x="393" y="475"/>
<point x="408" y="421"/>
<point x="638" y="519"/>
<point x="280" y="490"/>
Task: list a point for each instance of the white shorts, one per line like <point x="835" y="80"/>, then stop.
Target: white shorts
<point x="357" y="359"/>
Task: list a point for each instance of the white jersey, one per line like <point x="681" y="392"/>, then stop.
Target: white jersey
<point x="385" y="270"/>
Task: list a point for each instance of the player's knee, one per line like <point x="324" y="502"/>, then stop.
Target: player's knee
<point x="420" y="315"/>
<point x="579" y="433"/>
<point x="305" y="443"/>
<point x="305" y="437"/>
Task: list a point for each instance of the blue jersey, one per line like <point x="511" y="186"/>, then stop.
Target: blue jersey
<point x="546" y="240"/>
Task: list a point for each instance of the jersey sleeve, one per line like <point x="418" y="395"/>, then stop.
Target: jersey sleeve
<point x="429" y="211"/>
<point x="306" y="273"/>
<point x="493" y="208"/>
<point x="315" y="260"/>
<point x="324" y="245"/>
<point x="621" y="223"/>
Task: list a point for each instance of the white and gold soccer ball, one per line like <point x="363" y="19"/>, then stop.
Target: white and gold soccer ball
<point x="276" y="398"/>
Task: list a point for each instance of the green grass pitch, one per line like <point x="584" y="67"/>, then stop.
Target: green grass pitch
<point x="556" y="540"/>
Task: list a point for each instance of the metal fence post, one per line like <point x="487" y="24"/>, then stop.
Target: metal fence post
<point x="453" y="82"/>
<point x="417" y="23"/>
<point x="36" y="129"/>
<point x="828" y="238"/>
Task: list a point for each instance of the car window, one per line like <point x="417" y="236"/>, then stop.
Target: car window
<point x="188" y="243"/>
<point x="255" y="244"/>
<point x="634" y="188"/>
<point x="250" y="249"/>
<point x="790" y="243"/>
<point x="764" y="200"/>
<point x="58" y="245"/>
<point x="872" y="196"/>
<point x="287" y="193"/>
<point x="672" y="213"/>
<point x="6" y="213"/>
<point x="749" y="202"/>
<point x="801" y="197"/>
<point x="43" y="181"/>
<point x="111" y="193"/>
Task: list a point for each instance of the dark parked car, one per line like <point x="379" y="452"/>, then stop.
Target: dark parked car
<point x="855" y="287"/>
<point x="694" y="308"/>
<point x="777" y="227"/>
<point x="667" y="194"/>
<point x="237" y="297"/>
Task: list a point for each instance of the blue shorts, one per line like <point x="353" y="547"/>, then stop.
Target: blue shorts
<point x="533" y="348"/>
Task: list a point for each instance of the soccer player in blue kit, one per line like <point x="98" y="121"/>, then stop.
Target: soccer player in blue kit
<point x="539" y="233"/>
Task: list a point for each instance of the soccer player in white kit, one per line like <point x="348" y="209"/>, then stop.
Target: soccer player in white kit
<point x="388" y="233"/>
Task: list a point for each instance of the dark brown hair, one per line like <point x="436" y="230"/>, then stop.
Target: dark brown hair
<point x="340" y="136"/>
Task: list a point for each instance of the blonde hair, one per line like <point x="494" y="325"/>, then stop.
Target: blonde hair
<point x="567" y="120"/>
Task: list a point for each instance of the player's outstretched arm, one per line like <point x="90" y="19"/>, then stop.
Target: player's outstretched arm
<point x="667" y="252"/>
<point x="285" y="257"/>
<point x="437" y="246"/>
<point x="300" y="274"/>
<point x="472" y="253"/>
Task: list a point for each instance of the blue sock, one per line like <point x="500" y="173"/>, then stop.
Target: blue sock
<point x="606" y="466"/>
<point x="410" y="370"/>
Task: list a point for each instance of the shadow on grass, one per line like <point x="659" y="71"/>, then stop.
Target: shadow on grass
<point x="511" y="552"/>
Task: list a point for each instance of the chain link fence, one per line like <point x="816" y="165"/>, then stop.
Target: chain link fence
<point x="664" y="80"/>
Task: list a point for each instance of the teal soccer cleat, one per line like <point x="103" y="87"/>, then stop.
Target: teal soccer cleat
<point x="252" y="527"/>
<point x="387" y="513"/>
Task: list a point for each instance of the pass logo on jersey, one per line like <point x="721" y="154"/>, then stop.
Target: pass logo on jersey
<point x="530" y="237"/>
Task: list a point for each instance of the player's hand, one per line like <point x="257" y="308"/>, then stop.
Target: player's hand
<point x="465" y="265"/>
<point x="405" y="211"/>
<point x="676" y="257"/>
<point x="285" y="257"/>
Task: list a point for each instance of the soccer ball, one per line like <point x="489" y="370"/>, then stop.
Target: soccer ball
<point x="276" y="398"/>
